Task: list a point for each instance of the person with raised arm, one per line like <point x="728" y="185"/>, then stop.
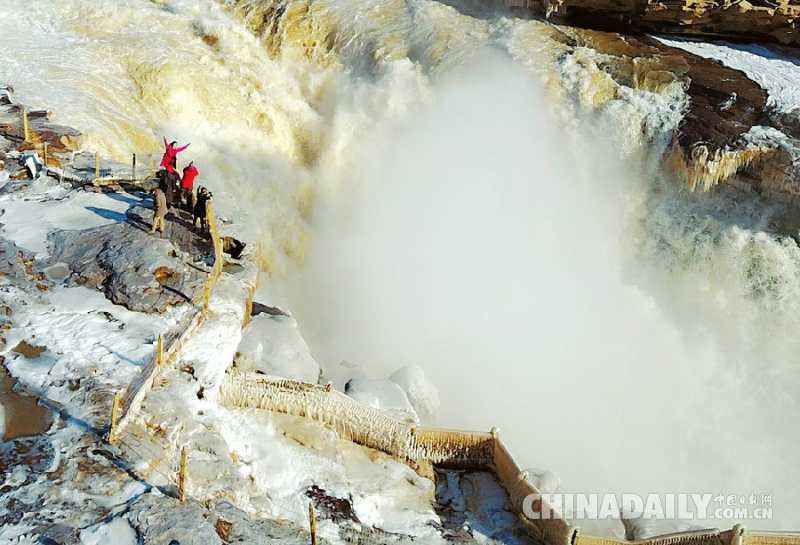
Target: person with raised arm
<point x="170" y="158"/>
<point x="187" y="185"/>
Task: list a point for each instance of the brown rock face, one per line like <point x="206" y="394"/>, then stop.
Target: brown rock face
<point x="756" y="20"/>
<point x="723" y="103"/>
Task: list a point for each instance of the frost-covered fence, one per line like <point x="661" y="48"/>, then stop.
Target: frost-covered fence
<point x="696" y="537"/>
<point x="769" y="538"/>
<point x="219" y="258"/>
<point x="351" y="420"/>
<point x="251" y="293"/>
<point x="452" y="449"/>
<point x="138" y="389"/>
<point x="25" y="125"/>
<point x="372" y="428"/>
<point x="549" y="528"/>
<point x="357" y="422"/>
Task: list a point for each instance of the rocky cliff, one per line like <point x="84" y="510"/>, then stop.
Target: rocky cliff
<point x="759" y="20"/>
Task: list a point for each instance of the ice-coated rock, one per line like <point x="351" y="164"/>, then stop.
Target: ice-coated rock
<point x="160" y="519"/>
<point x="384" y="395"/>
<point x="116" y="531"/>
<point x="643" y="528"/>
<point x="544" y="480"/>
<point x="141" y="272"/>
<point x="611" y="527"/>
<point x="274" y="346"/>
<point x="421" y="392"/>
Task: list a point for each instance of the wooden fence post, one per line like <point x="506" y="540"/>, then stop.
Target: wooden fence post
<point x="218" y="257"/>
<point x="248" y="305"/>
<point x="737" y="534"/>
<point x="25" y="127"/>
<point x="312" y="523"/>
<point x="182" y="475"/>
<point x="133" y="168"/>
<point x="96" y="166"/>
<point x="206" y="295"/>
<point x="159" y="351"/>
<point x="44" y="152"/>
<point x="116" y="407"/>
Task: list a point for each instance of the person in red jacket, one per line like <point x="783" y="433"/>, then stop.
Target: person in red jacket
<point x="170" y="159"/>
<point x="187" y="185"/>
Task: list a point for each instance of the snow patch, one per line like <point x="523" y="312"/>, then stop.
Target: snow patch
<point x="89" y="340"/>
<point x="777" y="73"/>
<point x="116" y="532"/>
<point x="27" y="222"/>
<point x="422" y="394"/>
<point x="274" y="346"/>
<point x="383" y="395"/>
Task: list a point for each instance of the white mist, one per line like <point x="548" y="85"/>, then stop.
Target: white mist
<point x="486" y="246"/>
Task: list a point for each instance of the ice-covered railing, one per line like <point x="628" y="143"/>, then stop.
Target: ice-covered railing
<point x="373" y="428"/>
<point x="355" y="421"/>
<point x="126" y="405"/>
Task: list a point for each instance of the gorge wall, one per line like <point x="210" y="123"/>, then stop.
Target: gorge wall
<point x="759" y="20"/>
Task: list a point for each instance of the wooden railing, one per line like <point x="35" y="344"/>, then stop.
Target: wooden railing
<point x="373" y="428"/>
<point x="131" y="400"/>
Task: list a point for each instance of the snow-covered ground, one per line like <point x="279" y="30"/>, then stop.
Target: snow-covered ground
<point x="266" y="464"/>
<point x="87" y="338"/>
<point x="777" y="72"/>
<point x="27" y="220"/>
<point x="91" y="349"/>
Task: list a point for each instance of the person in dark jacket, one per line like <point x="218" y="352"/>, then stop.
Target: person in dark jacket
<point x="200" y="209"/>
<point x="169" y="183"/>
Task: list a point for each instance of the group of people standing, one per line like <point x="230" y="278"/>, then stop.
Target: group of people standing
<point x="178" y="190"/>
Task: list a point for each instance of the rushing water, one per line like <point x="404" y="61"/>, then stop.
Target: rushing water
<point x="408" y="176"/>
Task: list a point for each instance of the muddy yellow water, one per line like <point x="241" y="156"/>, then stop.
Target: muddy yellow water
<point x="23" y="415"/>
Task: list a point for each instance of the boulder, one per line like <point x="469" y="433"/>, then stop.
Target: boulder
<point x="134" y="269"/>
<point x="160" y="519"/>
<point x="637" y="528"/>
<point x="422" y="394"/>
<point x="273" y="345"/>
<point x="383" y="395"/>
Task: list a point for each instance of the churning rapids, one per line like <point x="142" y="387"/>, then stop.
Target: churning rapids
<point x="426" y="200"/>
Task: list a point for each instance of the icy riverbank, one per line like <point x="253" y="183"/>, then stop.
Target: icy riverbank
<point x="89" y="289"/>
